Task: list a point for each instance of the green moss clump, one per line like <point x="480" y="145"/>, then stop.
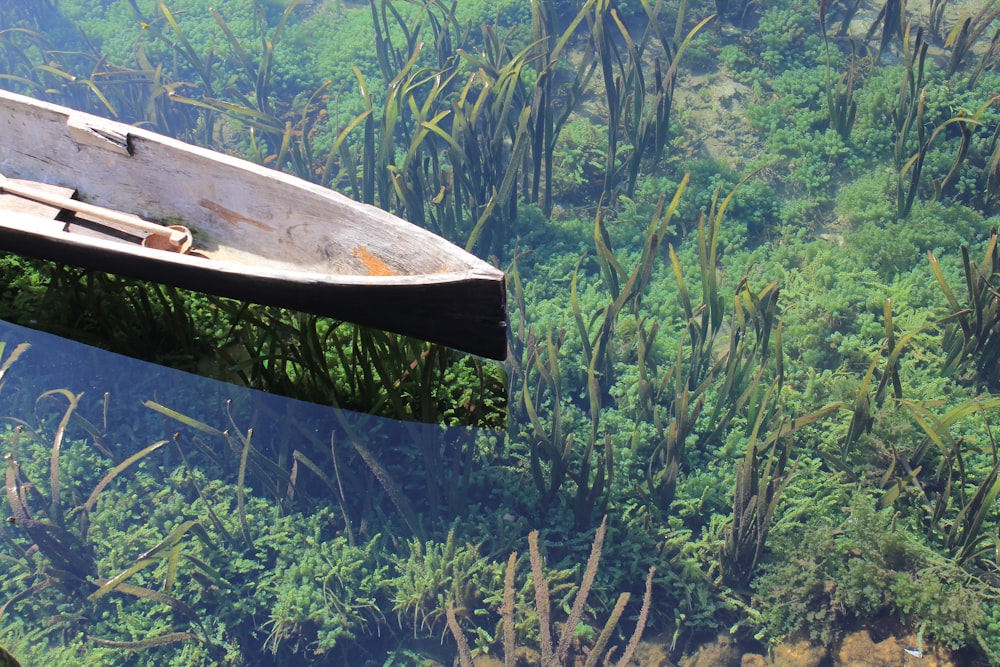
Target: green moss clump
<point x="831" y="577"/>
<point x="326" y="592"/>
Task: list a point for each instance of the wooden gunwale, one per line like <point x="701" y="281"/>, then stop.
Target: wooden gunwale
<point x="260" y="235"/>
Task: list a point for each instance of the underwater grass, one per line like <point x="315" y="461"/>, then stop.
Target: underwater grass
<point x="66" y="565"/>
<point x="665" y="383"/>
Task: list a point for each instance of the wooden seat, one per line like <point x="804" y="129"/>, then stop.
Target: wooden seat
<point x="9" y="202"/>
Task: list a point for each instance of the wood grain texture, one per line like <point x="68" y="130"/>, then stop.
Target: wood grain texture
<point x="260" y="235"/>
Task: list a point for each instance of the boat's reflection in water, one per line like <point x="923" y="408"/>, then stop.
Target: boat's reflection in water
<point x="297" y="448"/>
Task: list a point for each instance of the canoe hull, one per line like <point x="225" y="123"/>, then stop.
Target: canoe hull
<point x="425" y="311"/>
<point x="260" y="235"/>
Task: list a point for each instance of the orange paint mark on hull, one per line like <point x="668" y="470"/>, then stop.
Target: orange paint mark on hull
<point x="374" y="265"/>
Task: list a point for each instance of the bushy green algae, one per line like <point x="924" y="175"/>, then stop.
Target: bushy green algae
<point x="821" y="217"/>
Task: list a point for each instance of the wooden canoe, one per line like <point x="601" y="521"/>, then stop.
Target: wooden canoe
<point x="258" y="235"/>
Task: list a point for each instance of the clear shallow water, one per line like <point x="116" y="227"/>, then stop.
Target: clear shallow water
<point x="56" y="363"/>
<point x="267" y="501"/>
<point x="823" y="219"/>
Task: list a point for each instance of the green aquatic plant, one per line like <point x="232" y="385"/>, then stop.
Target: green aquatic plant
<point x="794" y="119"/>
<point x="552" y="105"/>
<point x="638" y="114"/>
<point x="891" y="24"/>
<point x="761" y="478"/>
<point x="276" y="350"/>
<point x="908" y="98"/>
<point x="287" y="353"/>
<point x="51" y="58"/>
<point x="188" y="541"/>
<point x="437" y="107"/>
<point x="49" y="544"/>
<point x="840" y="103"/>
<point x="144" y="320"/>
<point x="906" y="191"/>
<point x="554" y="457"/>
<point x="645" y="365"/>
<point x="488" y="166"/>
<point x="349" y="468"/>
<point x="755" y="498"/>
<point x="967" y="31"/>
<point x="788" y="38"/>
<point x="437" y="577"/>
<point x="474" y="191"/>
<point x="64" y="556"/>
<point x="328" y="361"/>
<point x="247" y="97"/>
<point x="542" y="381"/>
<point x="961" y="530"/>
<point x="862" y="415"/>
<point x="935" y="18"/>
<point x="37" y="62"/>
<point x="848" y="10"/>
<point x="268" y="475"/>
<point x="735" y="11"/>
<point x="990" y="175"/>
<point x="864" y="566"/>
<point x="736" y="354"/>
<point x="578" y="159"/>
<point x="983" y="63"/>
<point x="971" y="335"/>
<point x="327" y="593"/>
<point x="909" y="114"/>
<point x="553" y="443"/>
<point x="11" y="358"/>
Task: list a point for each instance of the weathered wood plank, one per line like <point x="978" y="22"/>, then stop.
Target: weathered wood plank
<point x="9" y="202"/>
<point x="260" y="235"/>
